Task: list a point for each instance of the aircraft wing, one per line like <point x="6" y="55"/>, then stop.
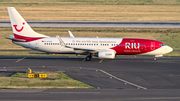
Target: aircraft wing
<point x="89" y="50"/>
<point x="77" y="49"/>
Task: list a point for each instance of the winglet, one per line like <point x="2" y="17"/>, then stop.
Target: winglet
<point x="70" y="34"/>
<point x="61" y="42"/>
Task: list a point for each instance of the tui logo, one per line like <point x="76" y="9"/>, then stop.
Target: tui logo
<point x="19" y="30"/>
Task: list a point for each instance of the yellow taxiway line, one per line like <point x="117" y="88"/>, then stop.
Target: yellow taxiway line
<point x="20" y="59"/>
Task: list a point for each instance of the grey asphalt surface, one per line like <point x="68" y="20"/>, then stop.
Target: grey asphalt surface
<point x="120" y="79"/>
<point x="99" y="24"/>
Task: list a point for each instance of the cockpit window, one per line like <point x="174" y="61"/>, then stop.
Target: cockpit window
<point x="162" y="44"/>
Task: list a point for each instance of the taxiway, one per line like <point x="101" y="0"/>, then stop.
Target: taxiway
<point x="125" y="78"/>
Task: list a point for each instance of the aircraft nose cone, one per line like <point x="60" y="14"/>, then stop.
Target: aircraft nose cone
<point x="169" y="49"/>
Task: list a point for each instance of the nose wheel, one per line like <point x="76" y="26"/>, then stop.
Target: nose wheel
<point x="88" y="58"/>
<point x="154" y="58"/>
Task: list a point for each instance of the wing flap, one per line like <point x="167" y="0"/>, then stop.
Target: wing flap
<point x="89" y="50"/>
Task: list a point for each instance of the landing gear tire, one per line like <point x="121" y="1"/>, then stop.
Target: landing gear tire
<point x="154" y="58"/>
<point x="88" y="58"/>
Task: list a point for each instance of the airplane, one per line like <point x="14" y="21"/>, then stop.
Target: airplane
<point x="103" y="48"/>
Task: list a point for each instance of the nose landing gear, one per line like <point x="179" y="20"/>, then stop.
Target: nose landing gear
<point x="154" y="58"/>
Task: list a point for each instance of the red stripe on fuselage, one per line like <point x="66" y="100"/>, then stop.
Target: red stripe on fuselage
<point x="130" y="46"/>
<point x="28" y="39"/>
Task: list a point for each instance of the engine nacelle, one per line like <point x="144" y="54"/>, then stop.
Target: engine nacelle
<point x="107" y="54"/>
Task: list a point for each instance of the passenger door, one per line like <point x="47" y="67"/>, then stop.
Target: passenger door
<point x="152" y="45"/>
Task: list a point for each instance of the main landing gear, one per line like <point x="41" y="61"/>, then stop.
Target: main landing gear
<point x="89" y="57"/>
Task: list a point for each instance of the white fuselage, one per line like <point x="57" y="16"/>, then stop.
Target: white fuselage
<point x="52" y="44"/>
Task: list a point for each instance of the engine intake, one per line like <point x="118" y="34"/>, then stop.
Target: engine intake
<point x="108" y="54"/>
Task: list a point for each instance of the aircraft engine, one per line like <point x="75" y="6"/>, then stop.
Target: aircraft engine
<point x="108" y="54"/>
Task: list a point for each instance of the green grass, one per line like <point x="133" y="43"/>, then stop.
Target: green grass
<point x="54" y="80"/>
<point x="174" y="53"/>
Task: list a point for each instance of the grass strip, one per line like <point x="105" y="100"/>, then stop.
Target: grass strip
<point x="53" y="81"/>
